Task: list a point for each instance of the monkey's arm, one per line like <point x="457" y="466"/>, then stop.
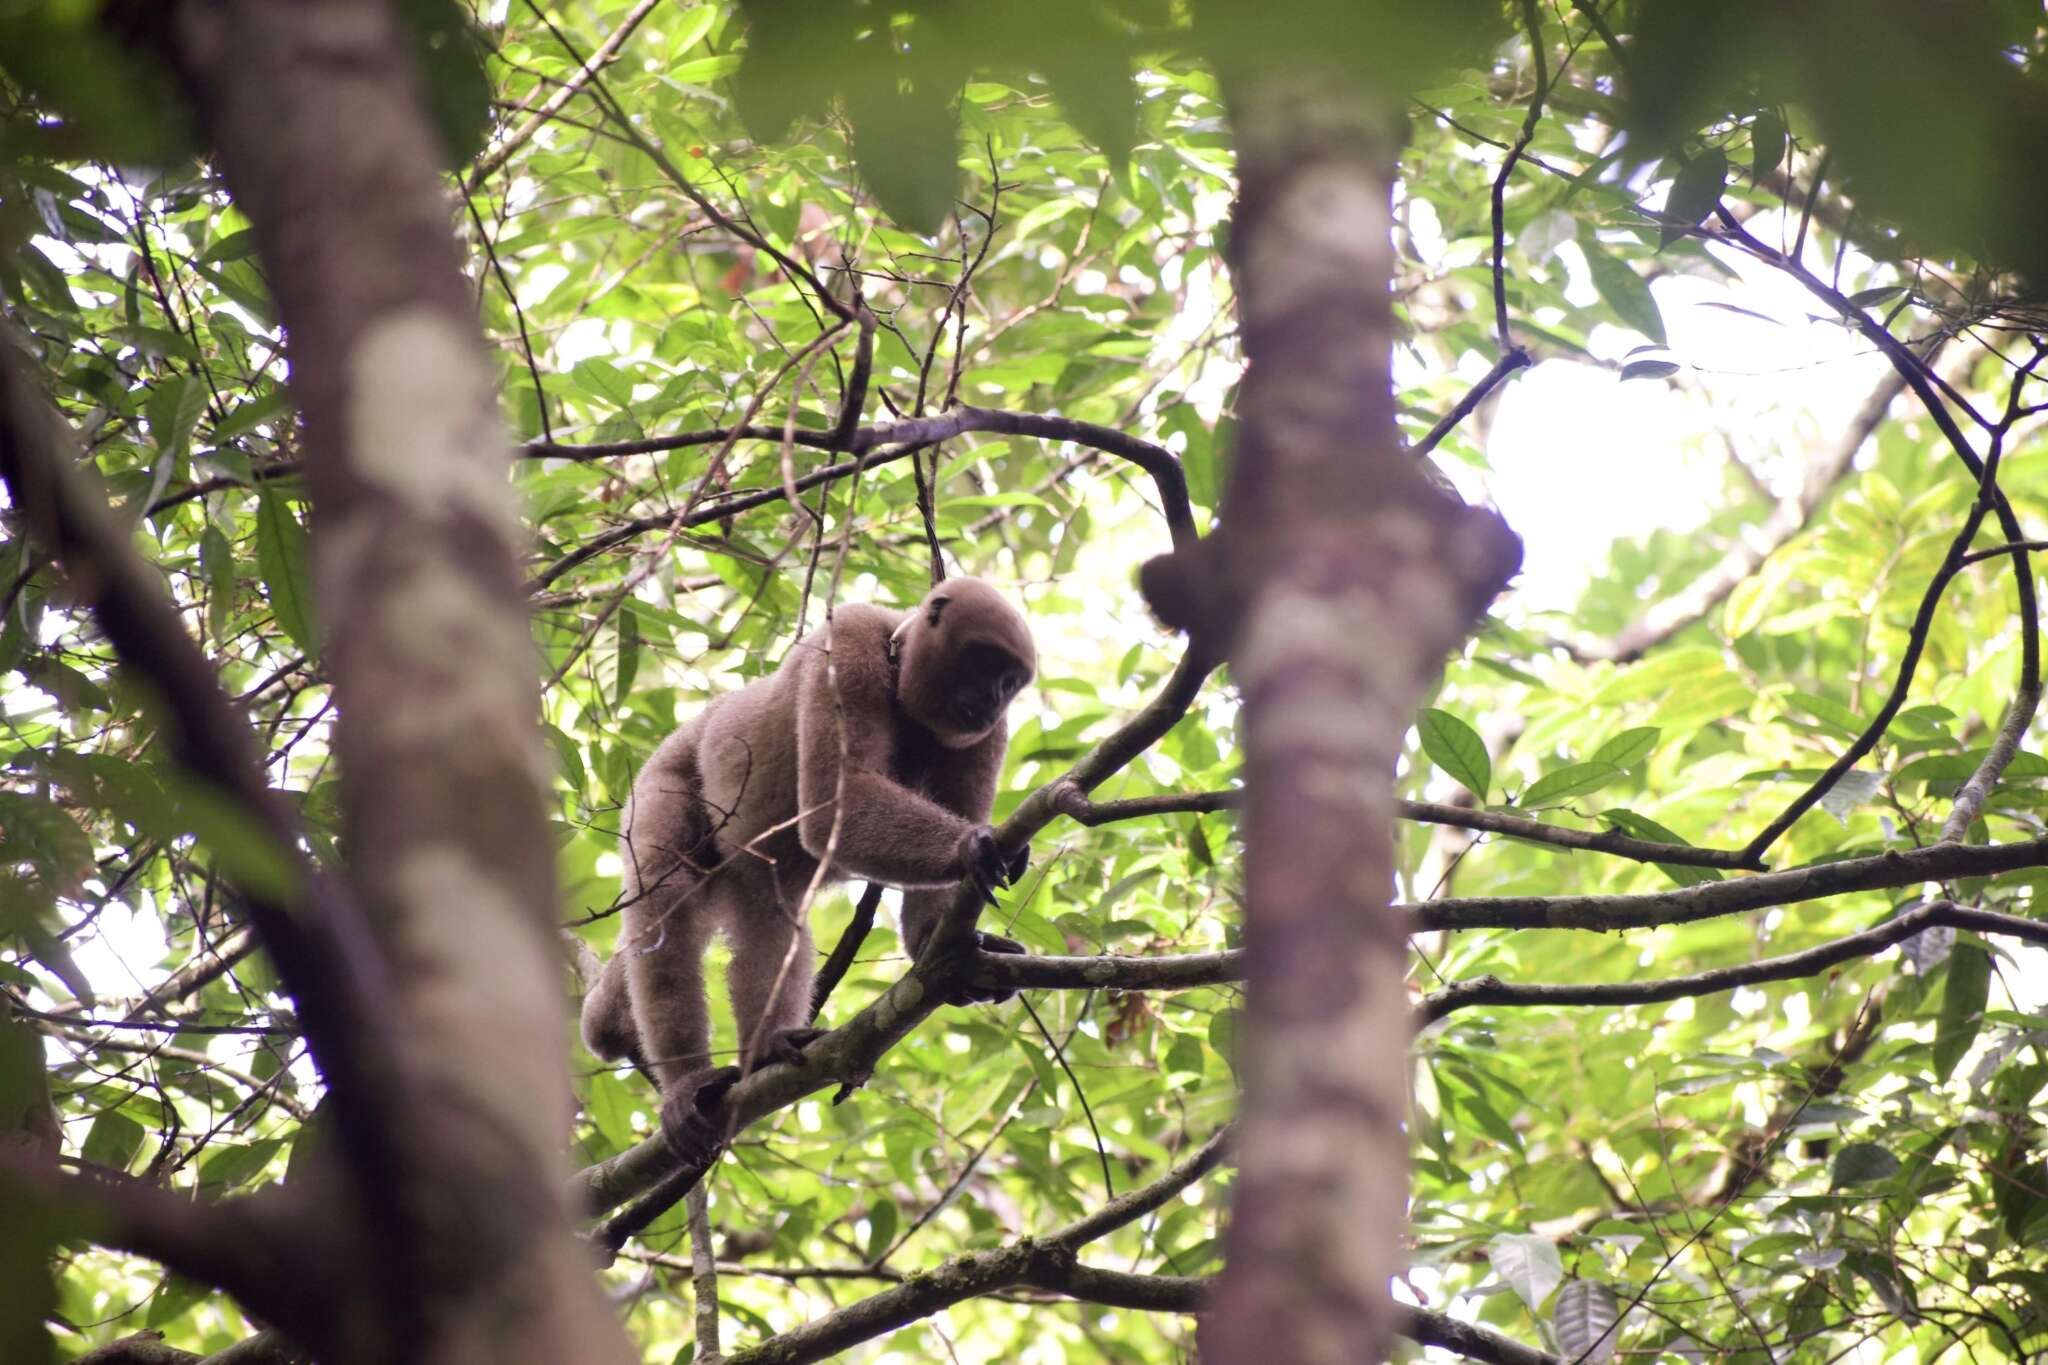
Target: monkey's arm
<point x="846" y="737"/>
<point x="967" y="786"/>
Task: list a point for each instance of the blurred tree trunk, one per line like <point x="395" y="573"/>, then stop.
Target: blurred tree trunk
<point x="447" y="1229"/>
<point x="1340" y="579"/>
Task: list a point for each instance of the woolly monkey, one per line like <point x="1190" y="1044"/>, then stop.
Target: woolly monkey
<point x="880" y="735"/>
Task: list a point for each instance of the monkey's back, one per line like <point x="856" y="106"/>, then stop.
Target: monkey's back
<point x="740" y="753"/>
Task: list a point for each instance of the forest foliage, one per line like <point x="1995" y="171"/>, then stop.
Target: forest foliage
<point x="1037" y="212"/>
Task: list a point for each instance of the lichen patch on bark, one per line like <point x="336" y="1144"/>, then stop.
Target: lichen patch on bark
<point x="422" y="419"/>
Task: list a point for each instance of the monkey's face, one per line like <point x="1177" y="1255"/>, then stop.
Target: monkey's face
<point x="985" y="679"/>
<point x="966" y="654"/>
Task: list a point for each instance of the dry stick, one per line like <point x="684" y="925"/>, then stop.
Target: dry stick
<point x="1708" y="900"/>
<point x="1895" y="700"/>
<point x="1915" y="373"/>
<point x="1491" y="990"/>
<point x="1044" y="1263"/>
<point x="1091" y="813"/>
<point x="630" y="131"/>
<point x="488" y="163"/>
<point x="490" y="249"/>
<point x="1994" y="551"/>
<point x="1512" y="356"/>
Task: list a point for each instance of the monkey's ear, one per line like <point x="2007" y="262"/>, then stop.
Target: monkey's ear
<point x="938" y="604"/>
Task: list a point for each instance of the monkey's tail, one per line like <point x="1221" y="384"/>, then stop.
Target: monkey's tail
<point x="608" y="1016"/>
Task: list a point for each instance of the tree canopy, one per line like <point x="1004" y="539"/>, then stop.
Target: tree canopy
<point x="1720" y="881"/>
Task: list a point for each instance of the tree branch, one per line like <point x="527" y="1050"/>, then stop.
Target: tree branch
<point x="1091" y="813"/>
<point x="1491" y="990"/>
<point x="915" y="432"/>
<point x="1043" y="1263"/>
<point x="488" y="162"/>
<point x="1176" y="972"/>
<point x="1471" y="1341"/>
<point x="232" y="1244"/>
<point x="1707" y="900"/>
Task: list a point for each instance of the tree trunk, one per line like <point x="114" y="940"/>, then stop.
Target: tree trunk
<point x="1339" y="580"/>
<point x="458" y="1247"/>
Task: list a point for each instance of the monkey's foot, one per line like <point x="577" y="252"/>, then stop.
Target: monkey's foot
<point x="787" y="1045"/>
<point x="988" y="943"/>
<point x="693" y="1117"/>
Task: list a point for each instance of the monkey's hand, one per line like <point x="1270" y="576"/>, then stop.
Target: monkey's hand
<point x="787" y="1045"/>
<point x="970" y="995"/>
<point x="693" y="1114"/>
<point x="988" y="865"/>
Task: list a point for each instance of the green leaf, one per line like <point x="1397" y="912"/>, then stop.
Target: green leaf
<point x="284" y="558"/>
<point x="1456" y="748"/>
<point x="1561" y="784"/>
<point x="1962" y="1006"/>
<point x="1766" y="143"/>
<point x="1628" y="748"/>
<point x="112" y="1141"/>
<point x="172" y="411"/>
<point x="217" y="562"/>
<point x="1626" y="292"/>
<point x="1694" y="192"/>
<point x="882" y="1221"/>
<point x="905" y="140"/>
<point x="1530" y="1265"/>
<point x="626" y="624"/>
<point x="1862" y="1163"/>
<point x="174" y="1298"/>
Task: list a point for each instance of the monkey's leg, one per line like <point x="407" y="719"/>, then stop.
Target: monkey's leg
<point x="663" y="949"/>
<point x="770" y="976"/>
<point x="921" y="911"/>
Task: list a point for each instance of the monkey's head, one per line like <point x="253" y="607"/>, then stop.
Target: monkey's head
<point x="962" y="655"/>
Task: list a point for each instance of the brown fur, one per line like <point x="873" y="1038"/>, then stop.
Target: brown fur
<point x="732" y="815"/>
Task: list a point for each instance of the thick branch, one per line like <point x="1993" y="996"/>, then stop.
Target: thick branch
<point x="232" y="1245"/>
<point x="1491" y="990"/>
<point x="1710" y="899"/>
<point x="149" y="1348"/>
<point x="1048" y="1263"/>
<point x="1177" y="972"/>
<point x="1471" y="1341"/>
